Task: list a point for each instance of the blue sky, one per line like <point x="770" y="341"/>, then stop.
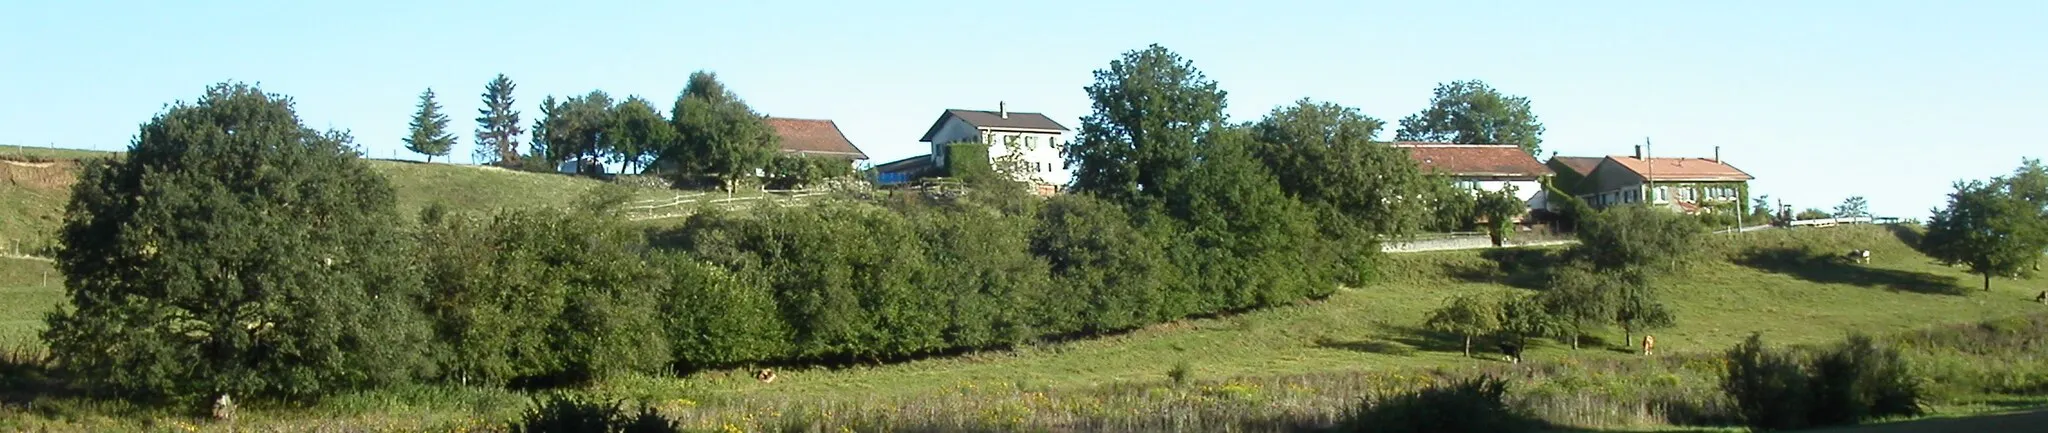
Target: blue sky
<point x="1819" y="99"/>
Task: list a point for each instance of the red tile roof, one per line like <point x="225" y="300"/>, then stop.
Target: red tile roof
<point x="1681" y="169"/>
<point x="814" y="137"/>
<point x="1503" y="160"/>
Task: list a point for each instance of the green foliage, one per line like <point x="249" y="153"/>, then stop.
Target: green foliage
<point x="1854" y="206"/>
<point x="713" y="319"/>
<point x="497" y="123"/>
<point x="1769" y="389"/>
<point x="1637" y="306"/>
<point x="792" y="171"/>
<point x="1149" y="109"/>
<point x="1637" y="237"/>
<point x="429" y="127"/>
<point x="718" y="136"/>
<point x="1323" y="154"/>
<point x="1500" y="209"/>
<point x="968" y="161"/>
<point x="235" y="251"/>
<point x="1472" y="112"/>
<point x="1181" y="374"/>
<point x="1522" y="318"/>
<point x="1106" y="275"/>
<point x="1992" y="227"/>
<point x="637" y="133"/>
<point x="1580" y="299"/>
<point x="1852" y="382"/>
<point x="541" y="294"/>
<point x="1254" y="246"/>
<point x="982" y="272"/>
<point x="564" y="414"/>
<point x="1812" y="214"/>
<point x="580" y="129"/>
<point x="1451" y="207"/>
<point x="1575" y="209"/>
<point x="1468" y="405"/>
<point x="1465" y="316"/>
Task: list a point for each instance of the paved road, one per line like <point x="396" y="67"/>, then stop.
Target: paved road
<point x="2030" y="421"/>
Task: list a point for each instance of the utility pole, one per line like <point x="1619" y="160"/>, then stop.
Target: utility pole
<point x="1649" y="196"/>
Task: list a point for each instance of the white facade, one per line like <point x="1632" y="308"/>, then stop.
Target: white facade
<point x="1530" y="191"/>
<point x="1040" y="149"/>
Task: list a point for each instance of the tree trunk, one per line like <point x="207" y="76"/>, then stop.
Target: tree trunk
<point x="1468" y="346"/>
<point x="1575" y="341"/>
<point x="1987" y="281"/>
<point x="1627" y="336"/>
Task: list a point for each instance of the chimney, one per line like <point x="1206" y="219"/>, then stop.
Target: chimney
<point x="1639" y="151"/>
<point x="1003" y="109"/>
<point x="1717" y="154"/>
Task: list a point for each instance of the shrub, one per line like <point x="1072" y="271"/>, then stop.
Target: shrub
<point x="1468" y="405"/>
<point x="1254" y="245"/>
<point x="542" y="294"/>
<point x="789" y="171"/>
<point x="1181" y="374"/>
<point x="1857" y="381"/>
<point x="1852" y="382"/>
<point x="563" y="414"/>
<point x="982" y="268"/>
<point x="714" y="319"/>
<point x="1768" y="387"/>
<point x="235" y="251"/>
<point x="1106" y="275"/>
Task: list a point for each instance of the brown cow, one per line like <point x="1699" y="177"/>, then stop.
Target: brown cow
<point x="1649" y="343"/>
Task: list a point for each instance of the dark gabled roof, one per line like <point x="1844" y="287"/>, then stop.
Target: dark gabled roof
<point x="1504" y="160"/>
<point x="914" y="163"/>
<point x="1582" y="165"/>
<point x="1682" y="169"/>
<point x="814" y="137"/>
<point x="993" y="120"/>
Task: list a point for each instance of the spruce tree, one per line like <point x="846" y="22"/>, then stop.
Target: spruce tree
<point x="497" y="126"/>
<point x="430" y="135"/>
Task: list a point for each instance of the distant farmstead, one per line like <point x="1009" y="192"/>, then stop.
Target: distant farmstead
<point x="1685" y="184"/>
<point x="1030" y="138"/>
<point x="1484" y="167"/>
<point x="814" y="137"/>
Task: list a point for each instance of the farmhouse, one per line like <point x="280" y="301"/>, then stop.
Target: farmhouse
<point x="1484" y="167"/>
<point x="1030" y="138"/>
<point x="814" y="137"/>
<point x="1690" y="185"/>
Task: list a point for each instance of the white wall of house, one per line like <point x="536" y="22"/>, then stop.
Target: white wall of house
<point x="1530" y="191"/>
<point x="1040" y="150"/>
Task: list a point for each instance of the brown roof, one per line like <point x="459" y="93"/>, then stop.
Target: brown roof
<point x="1584" y="165"/>
<point x="814" y="137"/>
<point x="1681" y="169"/>
<point x="1505" y="160"/>
<point x="993" y="120"/>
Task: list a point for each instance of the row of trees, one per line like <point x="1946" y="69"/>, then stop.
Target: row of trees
<point x="1606" y="281"/>
<point x="708" y="133"/>
<point x="222" y="275"/>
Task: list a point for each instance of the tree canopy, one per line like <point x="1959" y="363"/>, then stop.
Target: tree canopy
<point x="1324" y="154"/>
<point x="1854" y="206"/>
<point x="1471" y="112"/>
<point x="1149" y="108"/>
<point x="429" y="128"/>
<point x="1995" y="227"/>
<point x="235" y="251"/>
<point x="639" y="132"/>
<point x="718" y="135"/>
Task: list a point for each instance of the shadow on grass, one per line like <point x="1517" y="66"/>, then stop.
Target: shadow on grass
<point x="1827" y="268"/>
<point x="1906" y="234"/>
<point x="1367" y="346"/>
<point x="1433" y="341"/>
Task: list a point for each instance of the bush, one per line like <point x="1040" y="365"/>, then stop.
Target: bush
<point x="1253" y="245"/>
<point x="541" y="294"/>
<point x="1105" y="274"/>
<point x="1850" y="383"/>
<point x="235" y="251"/>
<point x="1469" y="405"/>
<point x="563" y="414"/>
<point x="1769" y="389"/>
<point x="790" y="171"/>
<point x="982" y="270"/>
<point x="713" y="319"/>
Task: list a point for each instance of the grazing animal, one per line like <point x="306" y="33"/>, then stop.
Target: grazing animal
<point x="224" y="408"/>
<point x="2042" y="298"/>
<point x="1512" y="350"/>
<point x="1859" y="256"/>
<point x="1648" y="344"/>
<point x="766" y="375"/>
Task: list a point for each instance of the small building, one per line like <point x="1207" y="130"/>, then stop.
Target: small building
<point x="1690" y="185"/>
<point x="814" y="137"/>
<point x="1033" y="139"/>
<point x="1484" y="167"/>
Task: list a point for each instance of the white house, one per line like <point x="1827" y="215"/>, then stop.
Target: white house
<point x="1484" y="167"/>
<point x="1033" y="136"/>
